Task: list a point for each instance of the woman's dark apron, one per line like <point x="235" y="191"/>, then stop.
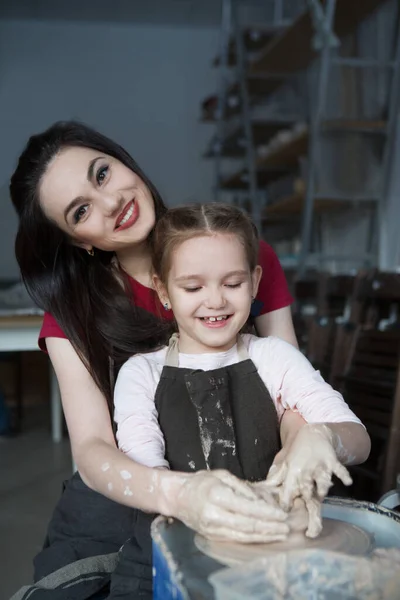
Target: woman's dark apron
<point x="219" y="419"/>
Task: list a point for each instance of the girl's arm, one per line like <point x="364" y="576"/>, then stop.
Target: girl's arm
<point x="309" y="463"/>
<point x="214" y="503"/>
<point x="350" y="440"/>
<point x="333" y="434"/>
<point x="294" y="384"/>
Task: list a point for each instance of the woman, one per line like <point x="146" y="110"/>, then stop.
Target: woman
<point x="86" y="214"/>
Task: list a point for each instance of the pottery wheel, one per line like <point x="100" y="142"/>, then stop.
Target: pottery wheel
<point x="337" y="536"/>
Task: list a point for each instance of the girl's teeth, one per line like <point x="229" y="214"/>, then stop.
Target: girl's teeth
<point x="213" y="319"/>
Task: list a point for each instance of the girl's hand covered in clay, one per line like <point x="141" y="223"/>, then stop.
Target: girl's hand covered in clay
<point x="222" y="507"/>
<point x="305" y="470"/>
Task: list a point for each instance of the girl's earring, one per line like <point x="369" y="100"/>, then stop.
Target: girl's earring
<point x="166" y="306"/>
<point x="90" y="252"/>
<point x="252" y="299"/>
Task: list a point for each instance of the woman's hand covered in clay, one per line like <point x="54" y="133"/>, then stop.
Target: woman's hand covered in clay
<point x="222" y="507"/>
<point x="306" y="467"/>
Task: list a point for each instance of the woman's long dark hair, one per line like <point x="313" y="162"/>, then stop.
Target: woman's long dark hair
<point x="82" y="292"/>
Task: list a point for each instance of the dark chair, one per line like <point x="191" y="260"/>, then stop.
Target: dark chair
<point x="371" y="386"/>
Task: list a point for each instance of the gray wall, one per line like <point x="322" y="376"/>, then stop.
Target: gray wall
<point x="141" y="85"/>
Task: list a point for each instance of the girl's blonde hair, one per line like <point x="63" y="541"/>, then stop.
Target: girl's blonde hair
<point x="185" y="222"/>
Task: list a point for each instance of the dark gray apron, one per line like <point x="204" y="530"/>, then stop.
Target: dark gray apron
<point x="219" y="419"/>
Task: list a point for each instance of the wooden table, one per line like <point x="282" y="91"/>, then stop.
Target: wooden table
<point x="20" y="334"/>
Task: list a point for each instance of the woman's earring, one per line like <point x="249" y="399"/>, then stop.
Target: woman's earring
<point x="90" y="252"/>
<point x="252" y="299"/>
<point x="166" y="306"/>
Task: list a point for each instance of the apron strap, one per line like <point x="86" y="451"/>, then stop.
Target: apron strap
<point x="172" y="358"/>
<point x="241" y="349"/>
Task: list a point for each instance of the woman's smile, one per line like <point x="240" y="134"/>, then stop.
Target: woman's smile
<point x="128" y="216"/>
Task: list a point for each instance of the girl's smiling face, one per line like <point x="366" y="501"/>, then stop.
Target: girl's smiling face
<point x="210" y="288"/>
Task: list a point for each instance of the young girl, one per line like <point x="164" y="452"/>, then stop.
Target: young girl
<point x="216" y="398"/>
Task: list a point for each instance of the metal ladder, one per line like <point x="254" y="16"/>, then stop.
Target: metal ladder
<point x="230" y="27"/>
<point x="324" y="41"/>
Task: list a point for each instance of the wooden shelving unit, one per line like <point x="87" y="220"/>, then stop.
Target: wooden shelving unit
<point x="259" y="86"/>
<point x="274" y="150"/>
<point x="294" y="205"/>
<point x="272" y="166"/>
<point x="354" y="125"/>
<point x="239" y="181"/>
<point x="285" y="157"/>
<point x="233" y="145"/>
<point x="292" y="51"/>
<point x="255" y="39"/>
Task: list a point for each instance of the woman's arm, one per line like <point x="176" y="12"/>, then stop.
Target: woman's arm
<point x="277" y="323"/>
<point x="99" y="462"/>
<point x="275" y="298"/>
<point x="291" y="423"/>
<point x="216" y="503"/>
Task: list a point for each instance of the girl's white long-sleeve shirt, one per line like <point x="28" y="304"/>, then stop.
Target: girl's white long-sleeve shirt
<point x="291" y="380"/>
